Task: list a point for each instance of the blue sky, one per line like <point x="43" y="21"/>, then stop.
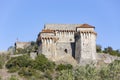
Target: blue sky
<point x="24" y="19"/>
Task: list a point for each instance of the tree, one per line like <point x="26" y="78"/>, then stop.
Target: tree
<point x="108" y="49"/>
<point x="98" y="48"/>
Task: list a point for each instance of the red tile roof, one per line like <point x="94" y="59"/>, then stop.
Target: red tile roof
<point x="85" y="26"/>
<point x="47" y="31"/>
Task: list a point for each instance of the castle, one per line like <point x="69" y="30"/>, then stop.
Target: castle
<point x="78" y="40"/>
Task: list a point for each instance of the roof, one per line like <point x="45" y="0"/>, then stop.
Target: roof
<point x="61" y="26"/>
<point x="47" y="31"/>
<point x="85" y="26"/>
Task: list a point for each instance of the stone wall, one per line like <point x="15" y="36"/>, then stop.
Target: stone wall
<point x="77" y="40"/>
<point x="65" y="37"/>
<point x="22" y="45"/>
<point x="65" y="48"/>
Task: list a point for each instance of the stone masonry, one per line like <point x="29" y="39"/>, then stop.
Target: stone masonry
<point x="22" y="45"/>
<point x="77" y="40"/>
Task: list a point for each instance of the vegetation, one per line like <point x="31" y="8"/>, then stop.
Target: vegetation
<point x="98" y="48"/>
<point x="27" y="67"/>
<point x="15" y="63"/>
<point x="108" y="50"/>
<point x="21" y="51"/>
<point x="42" y="63"/>
<point x="43" y="69"/>
<point x="13" y="77"/>
<point x="64" y="67"/>
<point x="32" y="48"/>
<point x="0" y="78"/>
<point x="108" y="72"/>
<point x="3" y="59"/>
<point x="111" y="51"/>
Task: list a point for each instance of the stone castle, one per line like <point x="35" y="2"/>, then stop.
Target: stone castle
<point x="77" y="40"/>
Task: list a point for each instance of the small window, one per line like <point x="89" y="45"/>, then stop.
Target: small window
<point x="70" y="39"/>
<point x="65" y="50"/>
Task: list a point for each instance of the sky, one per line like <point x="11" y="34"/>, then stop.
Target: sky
<point x="22" y="20"/>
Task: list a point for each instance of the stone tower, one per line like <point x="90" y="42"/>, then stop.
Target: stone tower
<point x="77" y="40"/>
<point x="85" y="36"/>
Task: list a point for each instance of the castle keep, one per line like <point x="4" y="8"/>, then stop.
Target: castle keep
<point x="78" y="40"/>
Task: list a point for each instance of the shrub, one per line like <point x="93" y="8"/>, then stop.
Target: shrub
<point x="0" y="78"/>
<point x="66" y="75"/>
<point x="27" y="72"/>
<point x="16" y="63"/>
<point x="48" y="75"/>
<point x="64" y="67"/>
<point x="108" y="72"/>
<point x="42" y="63"/>
<point x="98" y="48"/>
<point x="13" y="77"/>
<point x="1" y="64"/>
<point x="3" y="59"/>
<point x="21" y="51"/>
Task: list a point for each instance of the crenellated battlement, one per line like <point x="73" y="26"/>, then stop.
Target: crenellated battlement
<point x="78" y="40"/>
<point x="49" y="39"/>
<point x="87" y="32"/>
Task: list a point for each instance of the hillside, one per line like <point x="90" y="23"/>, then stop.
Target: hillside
<point x="23" y="67"/>
<point x="24" y="64"/>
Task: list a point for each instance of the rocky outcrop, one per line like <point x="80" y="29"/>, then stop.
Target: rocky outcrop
<point x="64" y="59"/>
<point x="106" y="58"/>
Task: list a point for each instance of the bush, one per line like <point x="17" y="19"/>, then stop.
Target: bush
<point x="27" y="72"/>
<point x="108" y="72"/>
<point x="66" y="75"/>
<point x="16" y="63"/>
<point x="30" y="68"/>
<point x="110" y="51"/>
<point x="42" y="63"/>
<point x="0" y="78"/>
<point x="21" y="51"/>
<point x="1" y="63"/>
<point x="64" y="67"/>
<point x="98" y="48"/>
<point x="13" y="78"/>
<point x="3" y="58"/>
<point x="48" y="75"/>
<point x="42" y="68"/>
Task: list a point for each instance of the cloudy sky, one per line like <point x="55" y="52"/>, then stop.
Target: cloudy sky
<point x="24" y="19"/>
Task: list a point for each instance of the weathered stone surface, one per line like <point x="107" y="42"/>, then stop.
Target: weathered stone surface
<point x="22" y="44"/>
<point x="33" y="55"/>
<point x="106" y="58"/>
<point x="76" y="40"/>
<point x="66" y="58"/>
